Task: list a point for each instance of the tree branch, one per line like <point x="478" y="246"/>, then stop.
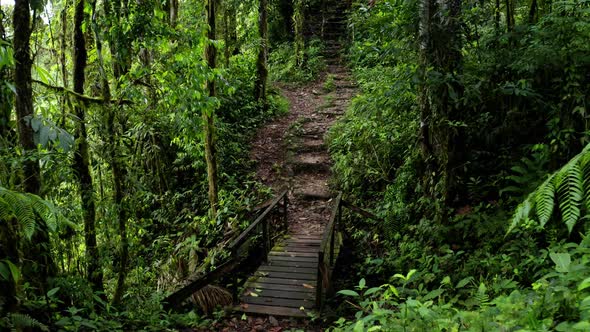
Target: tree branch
<point x="84" y="98"/>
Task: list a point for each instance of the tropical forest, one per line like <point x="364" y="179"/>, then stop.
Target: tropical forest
<point x="295" y="165"/>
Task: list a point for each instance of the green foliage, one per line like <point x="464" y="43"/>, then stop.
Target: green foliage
<point x="568" y="185"/>
<point x="557" y="301"/>
<point x="26" y="208"/>
<point x="283" y="67"/>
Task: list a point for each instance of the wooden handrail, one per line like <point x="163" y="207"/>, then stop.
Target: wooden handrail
<point x="175" y="299"/>
<point x="198" y="282"/>
<point x="327" y="239"/>
<point x="244" y="235"/>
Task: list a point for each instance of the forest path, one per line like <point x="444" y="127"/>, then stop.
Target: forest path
<point x="290" y="150"/>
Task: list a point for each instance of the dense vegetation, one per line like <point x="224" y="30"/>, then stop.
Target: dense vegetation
<point x="469" y="140"/>
<point x="124" y="165"/>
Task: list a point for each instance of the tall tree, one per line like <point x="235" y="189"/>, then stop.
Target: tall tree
<point x="113" y="137"/>
<point x="82" y="164"/>
<point x="440" y="51"/>
<point x="24" y="93"/>
<point x="261" y="63"/>
<point x="208" y="114"/>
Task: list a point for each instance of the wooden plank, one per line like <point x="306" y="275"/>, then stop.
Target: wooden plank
<point x="291" y="282"/>
<point x="274" y="258"/>
<point x="293" y="254"/>
<point x="288" y="269"/>
<point x="303" y="241"/>
<point x="292" y="264"/>
<point x="271" y="311"/>
<point x="315" y="243"/>
<point x="305" y="236"/>
<point x="299" y="249"/>
<point x="289" y="288"/>
<point x="287" y="275"/>
<point x="280" y="294"/>
<point x="288" y="303"/>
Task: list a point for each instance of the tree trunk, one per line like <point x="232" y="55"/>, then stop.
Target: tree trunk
<point x="24" y="94"/>
<point x="533" y="12"/>
<point x="261" y="68"/>
<point x="82" y="165"/>
<point x="440" y="49"/>
<point x="6" y="97"/>
<point x="208" y="121"/>
<point x="298" y="21"/>
<point x="117" y="169"/>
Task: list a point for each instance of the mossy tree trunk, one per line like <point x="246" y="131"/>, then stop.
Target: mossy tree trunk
<point x="440" y="53"/>
<point x="82" y="165"/>
<point x="208" y="114"/>
<point x="261" y="63"/>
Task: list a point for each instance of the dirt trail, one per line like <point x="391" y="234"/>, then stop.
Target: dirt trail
<point x="291" y="150"/>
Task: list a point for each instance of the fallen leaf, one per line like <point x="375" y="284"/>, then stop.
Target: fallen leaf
<point x="308" y="286"/>
<point x="302" y="308"/>
<point x="244" y="306"/>
<point x="253" y="294"/>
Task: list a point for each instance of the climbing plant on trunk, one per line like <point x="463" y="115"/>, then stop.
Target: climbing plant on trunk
<point x="208" y="112"/>
<point x="81" y="164"/>
<point x="261" y="63"/>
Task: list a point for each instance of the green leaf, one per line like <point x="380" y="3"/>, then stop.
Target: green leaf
<point x="463" y="282"/>
<point x="348" y="292"/>
<point x="52" y="292"/>
<point x="362" y="283"/>
<point x="562" y="261"/>
<point x="372" y="291"/>
<point x="545" y="201"/>
<point x="359" y="326"/>
<point x="584" y="284"/>
<point x="570" y="191"/>
<point x="433" y="294"/>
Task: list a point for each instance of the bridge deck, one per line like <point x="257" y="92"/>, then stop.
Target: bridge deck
<point x="285" y="284"/>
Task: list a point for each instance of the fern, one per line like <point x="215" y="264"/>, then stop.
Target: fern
<point x="545" y="200"/>
<point x="571" y="186"/>
<point x="570" y="190"/>
<point x="23" y="321"/>
<point x="29" y="209"/>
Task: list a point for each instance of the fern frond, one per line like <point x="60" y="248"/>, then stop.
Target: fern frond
<point x="585" y="166"/>
<point x="23" y="210"/>
<point x="545" y="200"/>
<point x="522" y="213"/>
<point x="23" y="321"/>
<point x="570" y="192"/>
<point x="45" y="210"/>
<point x="6" y="212"/>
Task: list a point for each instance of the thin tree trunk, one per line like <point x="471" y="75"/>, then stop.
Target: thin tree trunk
<point x="261" y="69"/>
<point x="298" y="21"/>
<point x="208" y="121"/>
<point x="82" y="165"/>
<point x="24" y="93"/>
<point x="118" y="171"/>
<point x="62" y="58"/>
<point x="497" y="16"/>
<point x="6" y="96"/>
<point x="533" y="12"/>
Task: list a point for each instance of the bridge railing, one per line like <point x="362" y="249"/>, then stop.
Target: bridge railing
<point x="266" y="224"/>
<point x="326" y="255"/>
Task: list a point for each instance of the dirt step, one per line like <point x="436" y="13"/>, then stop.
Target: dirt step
<point x="332" y="111"/>
<point x="311" y="189"/>
<point x="311" y="163"/>
<point x="314" y="145"/>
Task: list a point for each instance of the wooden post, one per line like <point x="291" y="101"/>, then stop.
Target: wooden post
<point x="285" y="207"/>
<point x="265" y="238"/>
<point x="319" y="287"/>
<point x="234" y="277"/>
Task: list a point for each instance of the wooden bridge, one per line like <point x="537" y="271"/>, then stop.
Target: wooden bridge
<point x="295" y="270"/>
